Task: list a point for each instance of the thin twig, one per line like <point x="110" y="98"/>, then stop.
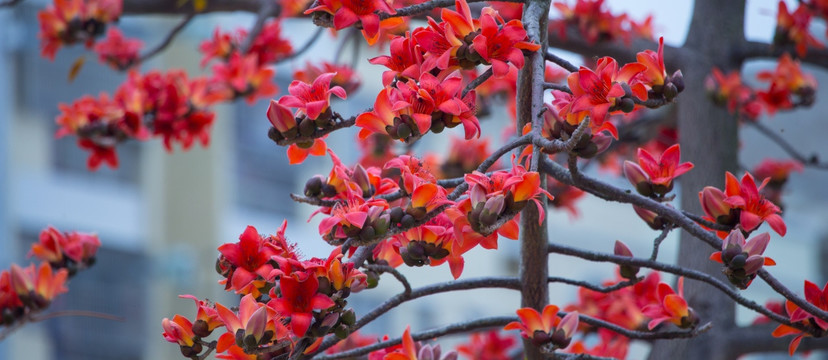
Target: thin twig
<point x="468" y="284"/>
<point x="422" y="8"/>
<point x="305" y="47"/>
<point x="388" y="269"/>
<point x="477" y="82"/>
<point x="568" y="66"/>
<point x="10" y="3"/>
<point x="677" y="270"/>
<point x="164" y="44"/>
<point x="314" y="201"/>
<point x="268" y="10"/>
<point x="458" y="328"/>
<point x="593" y="287"/>
<point x="810" y="161"/>
<point x="340" y="123"/>
<point x="659" y="239"/>
<point x="210" y="347"/>
<point x="554" y="86"/>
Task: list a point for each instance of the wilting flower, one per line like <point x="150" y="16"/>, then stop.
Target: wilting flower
<point x="547" y="327"/>
<point x="655" y="175"/>
<point x="207" y="318"/>
<point x="671" y="307"/>
<point x="743" y="259"/>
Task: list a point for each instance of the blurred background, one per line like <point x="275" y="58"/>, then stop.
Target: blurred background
<point x="160" y="216"/>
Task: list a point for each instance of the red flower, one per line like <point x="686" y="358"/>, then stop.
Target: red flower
<point x="118" y="51"/>
<point x="742" y="259"/>
<point x="671" y="307"/>
<point x="499" y="44"/>
<point x="179" y="331"/>
<point x="754" y="207"/>
<point x="348" y="12"/>
<point x="655" y="175"/>
<point x="546" y="327"/>
<point x="250" y="260"/>
<point x="599" y="90"/>
<point x="298" y="300"/>
<point x="312" y="99"/>
<point x="487" y="346"/>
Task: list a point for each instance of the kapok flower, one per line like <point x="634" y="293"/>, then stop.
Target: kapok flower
<point x="250" y="258"/>
<point x="785" y="330"/>
<point x="347" y="12"/>
<point x="346" y="76"/>
<point x="207" y="318"/>
<point x="743" y="259"/>
<point x="655" y="175"/>
<point x="755" y="209"/>
<point x="298" y="152"/>
<point x="179" y="330"/>
<point x="56" y="247"/>
<point x="597" y="91"/>
<point x="786" y="81"/>
<point x="499" y="44"/>
<point x="547" y="327"/>
<point x="312" y="99"/>
<point x="255" y="324"/>
<point x="793" y="28"/>
<point x="487" y="346"/>
<point x="117" y="50"/>
<point x="819" y="298"/>
<point x="671" y="307"/>
<point x="298" y="300"/>
<point x="282" y="119"/>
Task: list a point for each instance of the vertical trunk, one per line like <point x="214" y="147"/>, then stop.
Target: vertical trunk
<point x="533" y="235"/>
<point x="708" y="138"/>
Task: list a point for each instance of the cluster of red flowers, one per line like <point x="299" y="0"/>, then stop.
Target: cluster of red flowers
<point x="167" y="105"/>
<point x="286" y="300"/>
<point x="792" y="28"/>
<point x="648" y="303"/>
<point x="789" y="87"/>
<point x="742" y="259"/>
<point x="596" y="23"/>
<point x="68" y="22"/>
<point x="26" y="291"/>
<point x="170" y="105"/>
<point x="420" y="233"/>
<point x="424" y="89"/>
<point x="608" y="90"/>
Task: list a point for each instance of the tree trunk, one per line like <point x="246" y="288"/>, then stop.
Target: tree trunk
<point x="709" y="139"/>
<point x="534" y="256"/>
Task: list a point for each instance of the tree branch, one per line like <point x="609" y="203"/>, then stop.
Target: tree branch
<point x="593" y="287"/>
<point x="457" y="328"/>
<point x="339" y="123"/>
<point x="469" y="284"/>
<point x="164" y="43"/>
<point x="753" y="49"/>
<point x="758" y="339"/>
<point x="810" y="161"/>
<point x="477" y="82"/>
<point x="167" y="7"/>
<point x="574" y="42"/>
<point x="677" y="270"/>
<point x="10" y="3"/>
<point x="267" y="10"/>
<point x="422" y="8"/>
<point x="388" y="269"/>
<point x="568" y="66"/>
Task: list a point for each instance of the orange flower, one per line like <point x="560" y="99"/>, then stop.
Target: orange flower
<point x="671" y="307"/>
<point x="547" y="327"/>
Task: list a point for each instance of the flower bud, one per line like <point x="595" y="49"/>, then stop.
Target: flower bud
<point x="678" y="80"/>
<point x="360" y="177"/>
<point x="313" y="187"/>
<point x="280" y="117"/>
<point x="652" y="219"/>
<point x="670" y="91"/>
<point x="638" y="178"/>
<point x="307" y="127"/>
